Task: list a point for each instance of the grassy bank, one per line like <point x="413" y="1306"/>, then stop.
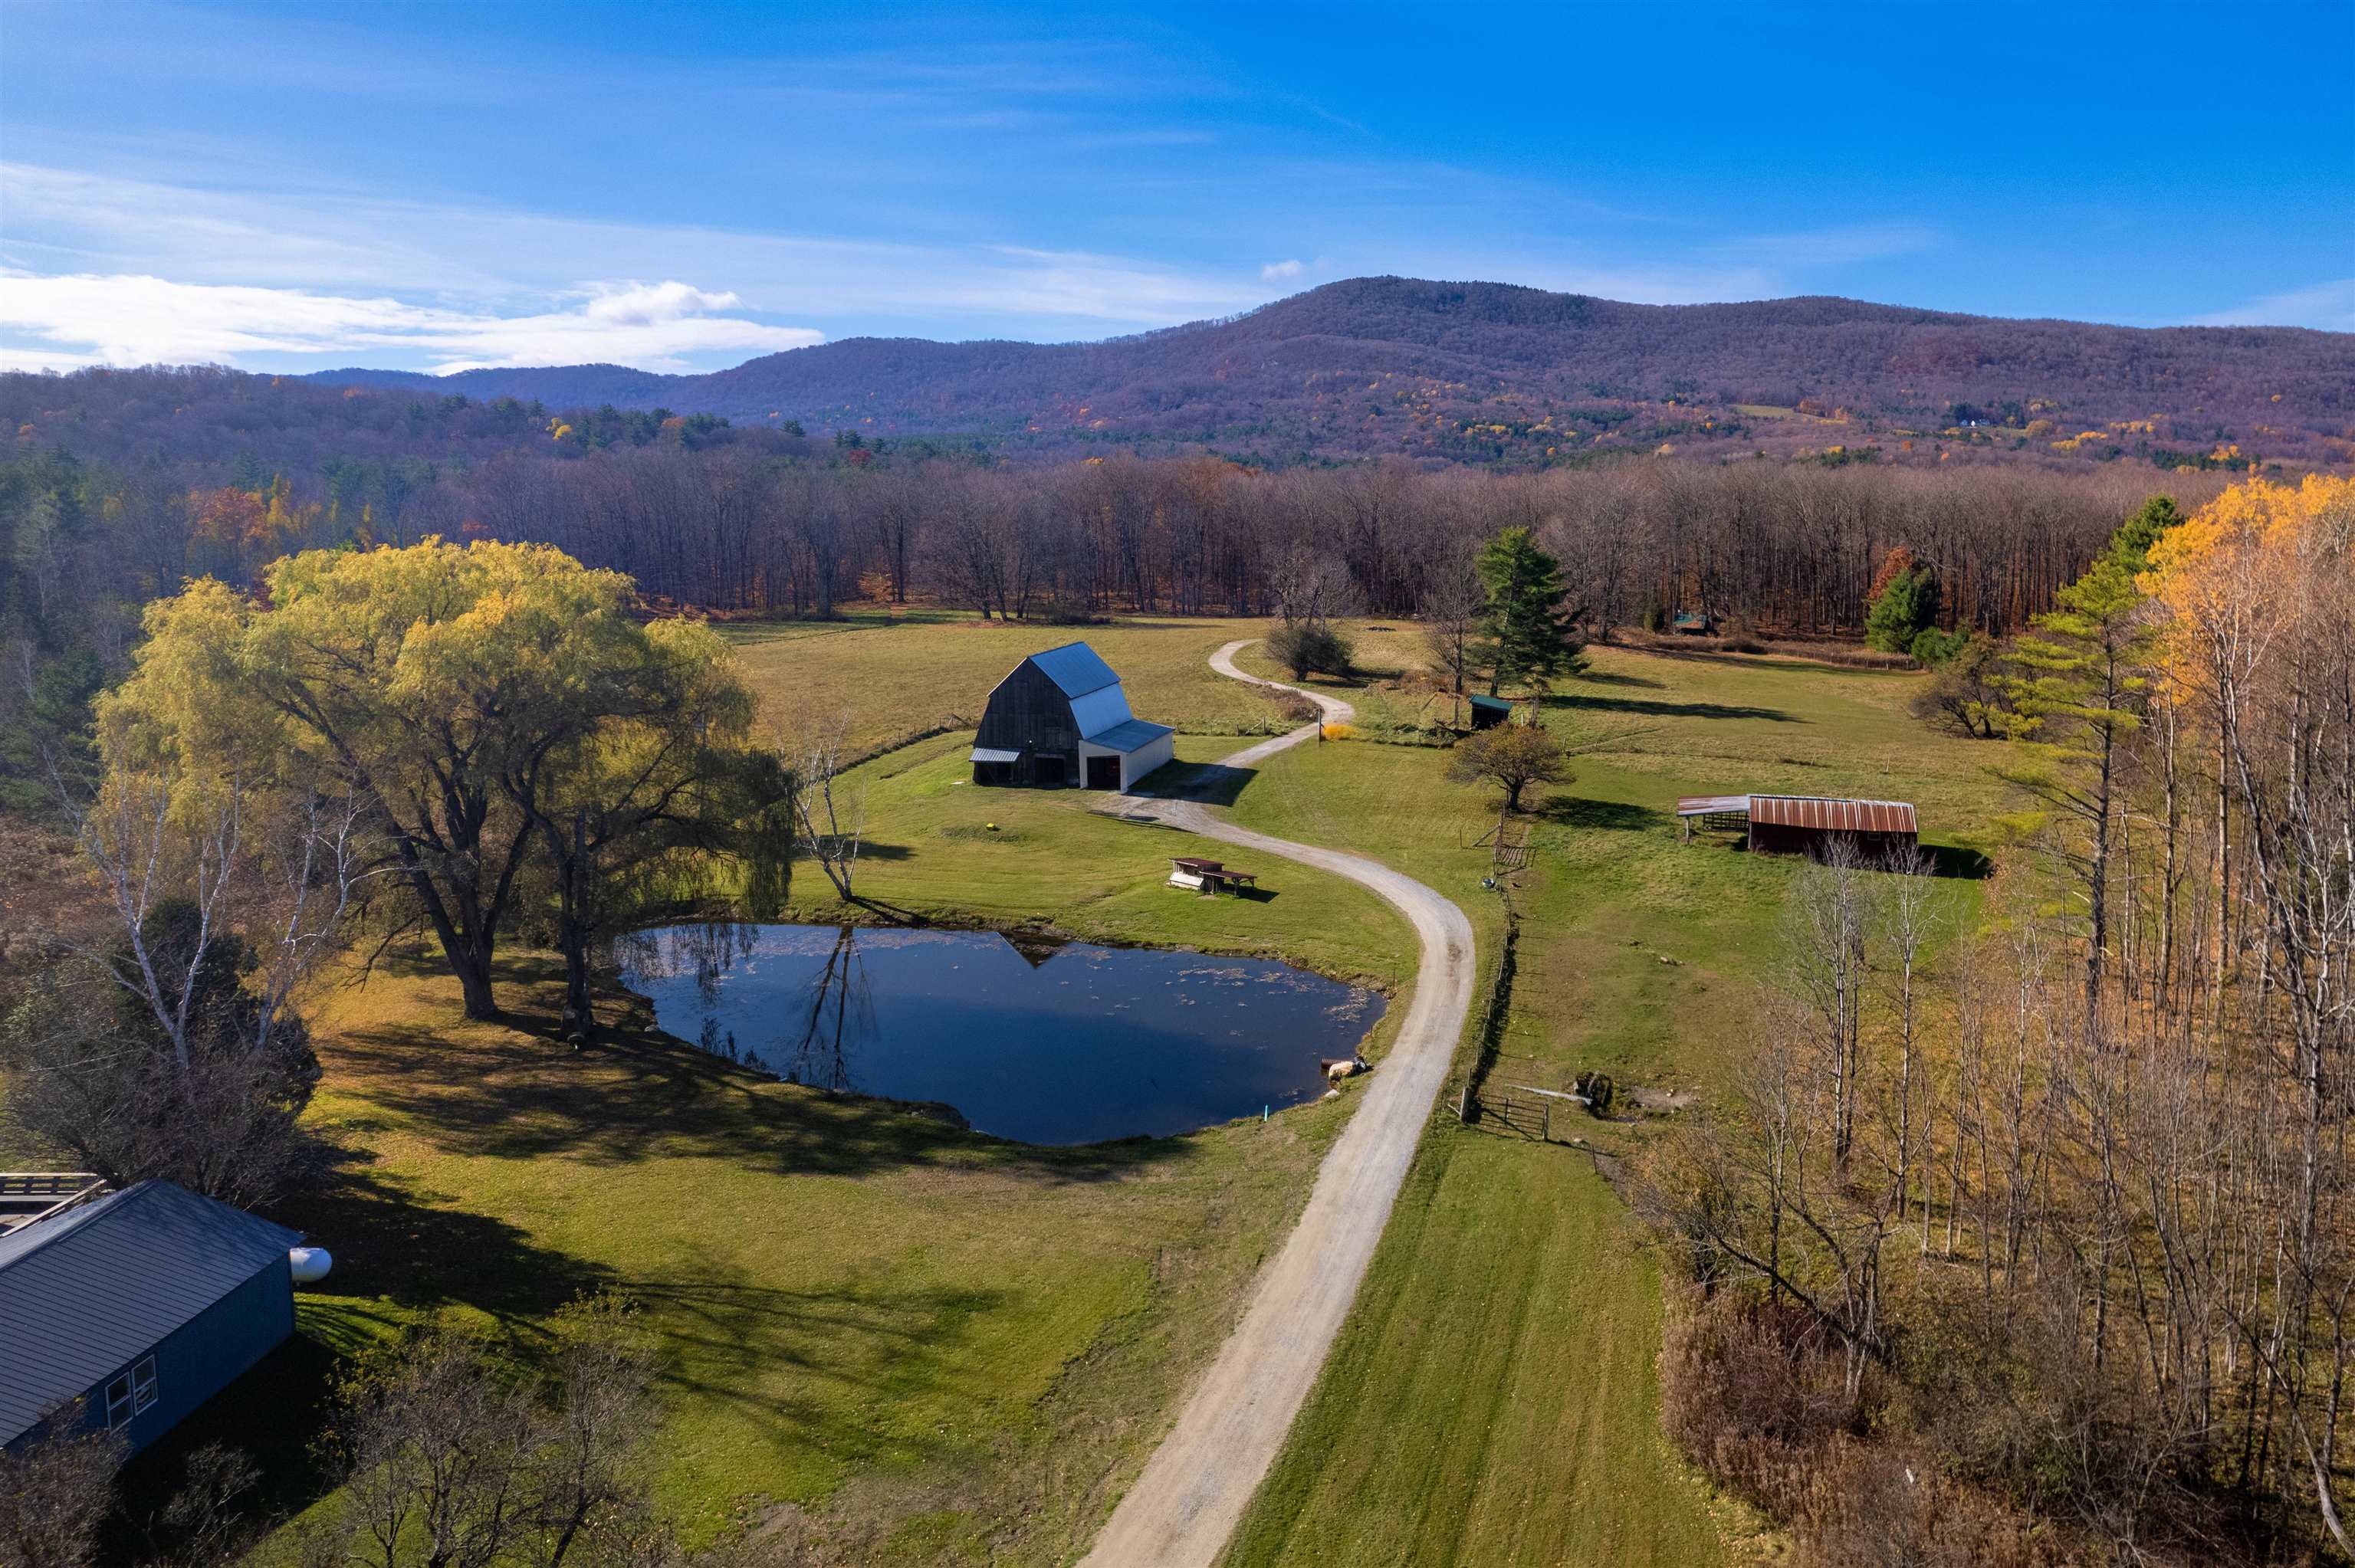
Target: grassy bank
<point x="918" y="1340"/>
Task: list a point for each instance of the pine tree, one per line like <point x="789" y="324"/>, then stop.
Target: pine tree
<point x="1525" y="635"/>
<point x="2076" y="690"/>
<point x="1902" y="607"/>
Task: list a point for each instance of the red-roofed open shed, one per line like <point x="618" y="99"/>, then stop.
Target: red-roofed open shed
<point x="1807" y="824"/>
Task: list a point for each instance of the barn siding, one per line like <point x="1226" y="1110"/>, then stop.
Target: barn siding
<point x="202" y="1357"/>
<point x="1029" y="712"/>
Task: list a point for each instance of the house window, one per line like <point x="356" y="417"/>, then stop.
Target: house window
<point x="132" y="1392"/>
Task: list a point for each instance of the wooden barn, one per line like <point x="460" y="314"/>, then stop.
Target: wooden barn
<point x="1061" y="718"/>
<point x="1806" y="824"/>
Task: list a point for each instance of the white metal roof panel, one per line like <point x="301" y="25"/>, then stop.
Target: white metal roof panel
<point x="1133" y="734"/>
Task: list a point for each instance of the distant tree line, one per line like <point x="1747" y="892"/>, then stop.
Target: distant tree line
<point x="1795" y="547"/>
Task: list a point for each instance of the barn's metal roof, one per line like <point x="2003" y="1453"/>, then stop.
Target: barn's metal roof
<point x="1075" y="669"/>
<point x="1710" y="805"/>
<point x="1833" y="816"/>
<point x="1129" y="735"/>
<point x="84" y="1294"/>
<point x="1495" y="704"/>
<point x="991" y="754"/>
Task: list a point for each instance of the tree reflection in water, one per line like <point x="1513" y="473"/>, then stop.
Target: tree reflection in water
<point x="830" y="1015"/>
<point x="837" y="1007"/>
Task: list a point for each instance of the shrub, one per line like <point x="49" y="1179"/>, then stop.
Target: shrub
<point x="1741" y="636"/>
<point x="1513" y="756"/>
<point x="1963" y="698"/>
<point x="1655" y="617"/>
<point x="1311" y="648"/>
<point x="1932" y="647"/>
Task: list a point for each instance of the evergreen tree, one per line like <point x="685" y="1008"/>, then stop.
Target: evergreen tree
<point x="1905" y="608"/>
<point x="1526" y="637"/>
<point x="2076" y="692"/>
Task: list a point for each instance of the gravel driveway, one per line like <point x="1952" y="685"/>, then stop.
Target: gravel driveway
<point x="1195" y="1487"/>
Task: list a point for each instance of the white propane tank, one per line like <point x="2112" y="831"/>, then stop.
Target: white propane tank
<point x="309" y="1264"/>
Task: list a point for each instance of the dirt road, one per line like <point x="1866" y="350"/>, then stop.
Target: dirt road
<point x="1193" y="1489"/>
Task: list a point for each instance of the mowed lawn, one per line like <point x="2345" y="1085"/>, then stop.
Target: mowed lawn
<point x="1495" y="1396"/>
<point x="905" y="1342"/>
<point x="939" y="845"/>
<point x="900" y="676"/>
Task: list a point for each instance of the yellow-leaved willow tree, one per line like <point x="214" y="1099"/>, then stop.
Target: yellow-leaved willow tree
<point x="517" y="738"/>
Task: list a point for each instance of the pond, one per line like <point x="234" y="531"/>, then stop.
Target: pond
<point x="1060" y="1044"/>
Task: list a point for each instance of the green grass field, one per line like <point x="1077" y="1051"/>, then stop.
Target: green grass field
<point x="897" y="677"/>
<point x="924" y="1347"/>
<point x="1493" y="1398"/>
<point x="914" y="1344"/>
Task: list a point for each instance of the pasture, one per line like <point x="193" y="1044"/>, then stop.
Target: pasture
<point x="1512" y="1320"/>
<point x="904" y="1343"/>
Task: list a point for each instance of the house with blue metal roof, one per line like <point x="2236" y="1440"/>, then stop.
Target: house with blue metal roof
<point x="141" y="1305"/>
<point x="1061" y="718"/>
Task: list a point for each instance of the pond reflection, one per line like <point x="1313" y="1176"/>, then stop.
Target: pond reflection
<point x="1048" y="1042"/>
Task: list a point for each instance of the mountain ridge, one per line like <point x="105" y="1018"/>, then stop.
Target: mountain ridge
<point x="1488" y="372"/>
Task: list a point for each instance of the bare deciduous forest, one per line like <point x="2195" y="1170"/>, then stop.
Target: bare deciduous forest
<point x="2050" y="1219"/>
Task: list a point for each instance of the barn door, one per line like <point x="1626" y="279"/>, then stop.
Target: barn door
<point x="1104" y="772"/>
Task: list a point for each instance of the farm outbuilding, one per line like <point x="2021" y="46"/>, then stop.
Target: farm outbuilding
<point x="1487" y="713"/>
<point x="1061" y="717"/>
<point x="142" y="1304"/>
<point x="1804" y="824"/>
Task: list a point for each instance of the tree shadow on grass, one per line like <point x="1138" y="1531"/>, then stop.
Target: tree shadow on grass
<point x="1652" y="707"/>
<point x="1570" y="811"/>
<point x="725" y="1341"/>
<point x="396" y="1239"/>
<point x="1618" y="678"/>
<point x="400" y="1252"/>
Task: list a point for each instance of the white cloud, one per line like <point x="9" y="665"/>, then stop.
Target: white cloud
<point x="1275" y="270"/>
<point x="2329" y="306"/>
<point x="356" y="243"/>
<point x="58" y="321"/>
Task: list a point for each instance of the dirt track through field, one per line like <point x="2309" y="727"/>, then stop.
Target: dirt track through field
<point x="1195" y="1487"/>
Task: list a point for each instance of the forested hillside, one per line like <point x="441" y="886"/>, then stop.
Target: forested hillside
<point x="1487" y="373"/>
<point x="1624" y="436"/>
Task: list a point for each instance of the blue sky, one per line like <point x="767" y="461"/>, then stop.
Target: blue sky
<point x="439" y="186"/>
